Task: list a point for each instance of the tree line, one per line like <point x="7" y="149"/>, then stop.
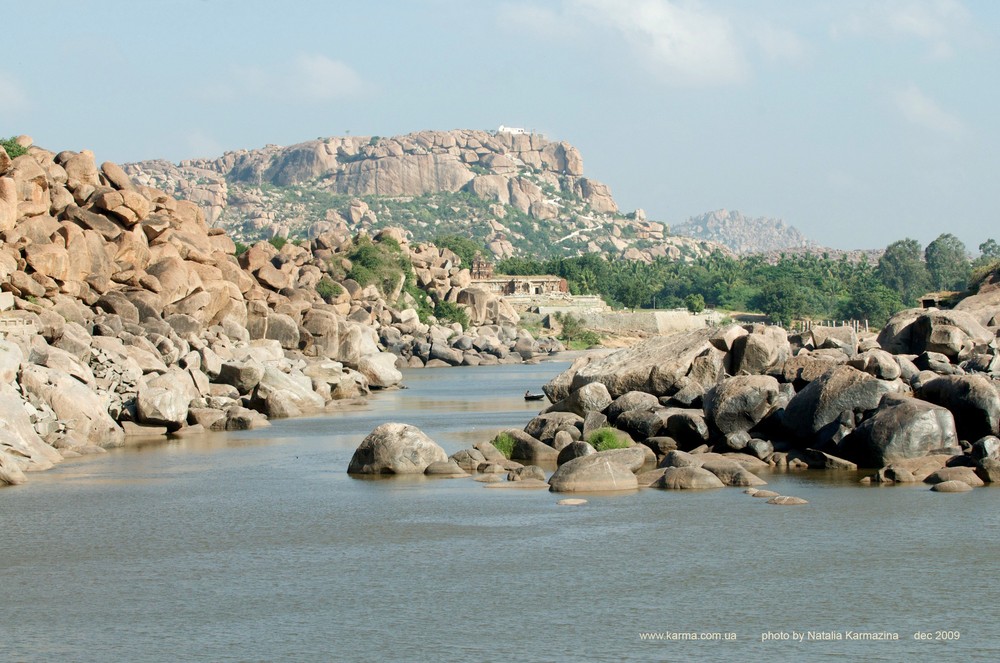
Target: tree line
<point x="793" y="287"/>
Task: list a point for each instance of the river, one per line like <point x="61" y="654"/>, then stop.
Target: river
<point x="257" y="546"/>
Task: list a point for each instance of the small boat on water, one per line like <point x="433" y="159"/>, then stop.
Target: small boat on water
<point x="528" y="396"/>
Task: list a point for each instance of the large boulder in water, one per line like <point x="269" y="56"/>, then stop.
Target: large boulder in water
<point x="813" y="415"/>
<point x="395" y="449"/>
<point x="973" y="399"/>
<point x="688" y="478"/>
<point x="598" y="472"/>
<point x="740" y="403"/>
<point x="902" y="429"/>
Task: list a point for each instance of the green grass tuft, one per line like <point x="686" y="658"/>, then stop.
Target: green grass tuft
<point x="605" y="438"/>
<point x="504" y="442"/>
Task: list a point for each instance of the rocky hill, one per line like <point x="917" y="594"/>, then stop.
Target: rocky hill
<point x="744" y="235"/>
<point x="516" y="193"/>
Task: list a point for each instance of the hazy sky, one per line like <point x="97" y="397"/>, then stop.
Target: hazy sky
<point x="858" y="122"/>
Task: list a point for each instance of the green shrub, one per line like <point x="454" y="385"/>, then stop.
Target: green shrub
<point x="13" y="149"/>
<point x="278" y="242"/>
<point x="328" y="289"/>
<point x="447" y="312"/>
<point x="606" y="438"/>
<point x="504" y="442"/>
<point x="241" y="248"/>
<point x="381" y="264"/>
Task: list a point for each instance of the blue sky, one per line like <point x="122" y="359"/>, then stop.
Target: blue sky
<point x="858" y="122"/>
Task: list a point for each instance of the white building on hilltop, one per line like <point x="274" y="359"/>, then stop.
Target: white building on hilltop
<point x="511" y="130"/>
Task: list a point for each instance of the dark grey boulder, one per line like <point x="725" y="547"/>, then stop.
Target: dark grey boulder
<point x="971" y="398"/>
<point x="902" y="429"/>
<point x="761" y="350"/>
<point x="544" y="426"/>
<point x="633" y="400"/>
<point x="740" y="403"/>
<point x="593" y="421"/>
<point x="987" y="446"/>
<point x="574" y="450"/>
<point x="813" y="416"/>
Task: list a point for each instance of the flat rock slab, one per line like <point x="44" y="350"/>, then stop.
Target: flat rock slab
<point x="951" y="487"/>
<point x="785" y="500"/>
<point x="764" y="494"/>
<point x="524" y="483"/>
<point x="647" y="366"/>
<point x="573" y="501"/>
<point x="489" y="478"/>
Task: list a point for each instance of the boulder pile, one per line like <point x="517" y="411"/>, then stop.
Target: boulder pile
<point x="709" y="408"/>
<point x="122" y="313"/>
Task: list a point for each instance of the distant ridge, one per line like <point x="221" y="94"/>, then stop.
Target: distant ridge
<point x="742" y="234"/>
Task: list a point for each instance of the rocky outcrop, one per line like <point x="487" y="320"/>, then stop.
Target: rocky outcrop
<point x="517" y="188"/>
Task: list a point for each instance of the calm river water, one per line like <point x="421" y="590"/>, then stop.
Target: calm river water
<point x="257" y="546"/>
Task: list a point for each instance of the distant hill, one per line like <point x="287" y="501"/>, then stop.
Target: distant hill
<point x="742" y="234"/>
<point x="516" y="193"/>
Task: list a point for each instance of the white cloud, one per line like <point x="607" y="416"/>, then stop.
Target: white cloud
<point x="307" y="78"/>
<point x="922" y="111"/>
<point x="940" y="24"/>
<point x="12" y="94"/>
<point x="681" y="41"/>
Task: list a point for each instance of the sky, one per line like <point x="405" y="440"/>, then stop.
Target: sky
<point x="858" y="122"/>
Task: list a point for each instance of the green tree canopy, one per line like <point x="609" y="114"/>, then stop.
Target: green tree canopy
<point x="783" y="300"/>
<point x="901" y="268"/>
<point x="947" y="262"/>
